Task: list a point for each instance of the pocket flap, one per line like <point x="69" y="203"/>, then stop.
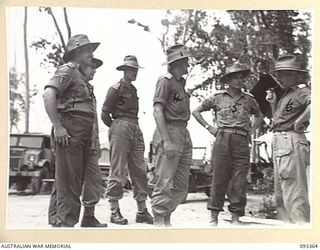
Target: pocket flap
<point x="282" y="152"/>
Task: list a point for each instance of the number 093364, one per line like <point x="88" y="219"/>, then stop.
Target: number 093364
<point x="308" y="246"/>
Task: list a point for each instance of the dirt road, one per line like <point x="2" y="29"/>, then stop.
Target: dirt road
<point x="30" y="212"/>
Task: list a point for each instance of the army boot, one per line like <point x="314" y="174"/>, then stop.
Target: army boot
<point x="144" y="217"/>
<point x="159" y="221"/>
<point x="235" y="219"/>
<point x="214" y="218"/>
<point x="167" y="221"/>
<point x="117" y="218"/>
<point x="91" y="221"/>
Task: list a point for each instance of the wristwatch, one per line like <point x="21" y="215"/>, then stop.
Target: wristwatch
<point x="207" y="126"/>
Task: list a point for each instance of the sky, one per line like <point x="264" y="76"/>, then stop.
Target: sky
<point x="118" y="38"/>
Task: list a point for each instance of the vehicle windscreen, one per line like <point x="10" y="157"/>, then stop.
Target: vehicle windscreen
<point x="13" y="140"/>
<point x="30" y="142"/>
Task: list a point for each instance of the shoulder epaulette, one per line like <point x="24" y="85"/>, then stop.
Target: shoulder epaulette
<point x="249" y="94"/>
<point x="302" y="86"/>
<point x="66" y="68"/>
<point x="167" y="75"/>
<point x="219" y="92"/>
<point x="116" y="86"/>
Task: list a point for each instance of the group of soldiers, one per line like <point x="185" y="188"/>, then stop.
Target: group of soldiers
<point x="71" y="106"/>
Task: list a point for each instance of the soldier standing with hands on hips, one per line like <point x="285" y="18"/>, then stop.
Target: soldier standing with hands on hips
<point x="290" y="148"/>
<point x="120" y="114"/>
<point x="70" y="105"/>
<point x="171" y="140"/>
<point x="233" y="110"/>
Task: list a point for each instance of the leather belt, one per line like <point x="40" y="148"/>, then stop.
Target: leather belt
<point x="177" y="123"/>
<point x="234" y="131"/>
<point x="128" y="119"/>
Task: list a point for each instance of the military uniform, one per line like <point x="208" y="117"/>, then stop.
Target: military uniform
<point x="171" y="174"/>
<point x="126" y="142"/>
<point x="291" y="153"/>
<point x="77" y="163"/>
<point x="231" y="151"/>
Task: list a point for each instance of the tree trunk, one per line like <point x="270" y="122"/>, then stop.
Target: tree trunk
<point x="67" y="22"/>
<point x="26" y="56"/>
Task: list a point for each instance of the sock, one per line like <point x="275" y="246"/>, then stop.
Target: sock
<point x="88" y="211"/>
<point x="114" y="205"/>
<point x="141" y="206"/>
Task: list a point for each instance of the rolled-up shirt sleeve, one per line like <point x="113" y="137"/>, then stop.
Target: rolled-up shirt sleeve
<point x="209" y="103"/>
<point x="162" y="92"/>
<point x="111" y="100"/>
<point x="61" y="79"/>
<point x="304" y="97"/>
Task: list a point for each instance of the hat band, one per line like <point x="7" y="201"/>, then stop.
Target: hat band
<point x="177" y="54"/>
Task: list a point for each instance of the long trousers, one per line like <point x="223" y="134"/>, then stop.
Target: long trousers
<point x="291" y="156"/>
<point x="126" y="153"/>
<point x="231" y="161"/>
<point x="71" y="162"/>
<point x="171" y="174"/>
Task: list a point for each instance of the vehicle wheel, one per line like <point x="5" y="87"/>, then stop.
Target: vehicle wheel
<point x="207" y="191"/>
<point x="36" y="181"/>
<point x="21" y="185"/>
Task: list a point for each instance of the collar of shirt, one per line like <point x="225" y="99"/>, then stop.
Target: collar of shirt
<point x="128" y="86"/>
<point x="239" y="97"/>
<point x="78" y="66"/>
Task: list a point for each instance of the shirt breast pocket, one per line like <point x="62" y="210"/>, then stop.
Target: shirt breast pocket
<point x="128" y="101"/>
<point x="80" y="89"/>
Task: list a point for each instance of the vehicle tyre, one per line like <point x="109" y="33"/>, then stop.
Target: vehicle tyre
<point x="36" y="181"/>
<point x="207" y="191"/>
<point x="21" y="185"/>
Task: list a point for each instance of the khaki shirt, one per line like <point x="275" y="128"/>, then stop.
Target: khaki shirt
<point x="74" y="94"/>
<point x="171" y="94"/>
<point x="122" y="101"/>
<point x="232" y="112"/>
<point x="290" y="106"/>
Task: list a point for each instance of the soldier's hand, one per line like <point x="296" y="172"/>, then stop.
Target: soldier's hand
<point x="61" y="135"/>
<point x="271" y="96"/>
<point x="169" y="149"/>
<point x="299" y="126"/>
<point x="213" y="130"/>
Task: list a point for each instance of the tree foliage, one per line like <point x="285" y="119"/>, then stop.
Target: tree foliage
<point x="17" y="102"/>
<point x="255" y="38"/>
<point x="53" y="49"/>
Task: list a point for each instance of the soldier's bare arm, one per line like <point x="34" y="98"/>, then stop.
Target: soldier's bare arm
<point x="197" y="115"/>
<point x="50" y="103"/>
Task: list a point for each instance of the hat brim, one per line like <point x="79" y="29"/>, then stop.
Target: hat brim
<point x="123" y="67"/>
<point x="66" y="57"/>
<point x="97" y="62"/>
<point x="290" y="69"/>
<point x="244" y="71"/>
<point x="173" y="60"/>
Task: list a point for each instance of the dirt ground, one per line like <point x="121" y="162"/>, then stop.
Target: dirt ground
<point x="30" y="212"/>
